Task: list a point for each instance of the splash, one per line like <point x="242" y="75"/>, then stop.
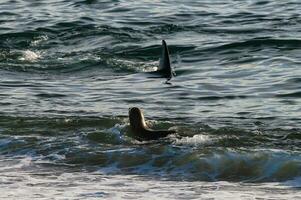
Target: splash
<point x="39" y="40"/>
<point x="30" y="56"/>
<point x="196" y="140"/>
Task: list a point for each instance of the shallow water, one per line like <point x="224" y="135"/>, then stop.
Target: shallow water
<point x="69" y="71"/>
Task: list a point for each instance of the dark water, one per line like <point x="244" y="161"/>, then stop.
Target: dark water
<point x="69" y="71"/>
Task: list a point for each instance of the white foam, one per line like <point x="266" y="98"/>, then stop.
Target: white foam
<point x="296" y="182"/>
<point x="29" y="56"/>
<point x="196" y="140"/>
<point x="149" y="67"/>
<point x="22" y="185"/>
<point x="38" y="40"/>
<point x="15" y="163"/>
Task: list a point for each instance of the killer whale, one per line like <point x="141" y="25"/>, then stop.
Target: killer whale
<point x="164" y="63"/>
<point x="164" y="69"/>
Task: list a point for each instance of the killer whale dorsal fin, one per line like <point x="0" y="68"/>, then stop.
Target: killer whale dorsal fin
<point x="164" y="64"/>
<point x="164" y="60"/>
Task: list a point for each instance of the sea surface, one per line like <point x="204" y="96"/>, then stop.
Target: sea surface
<point x="70" y="70"/>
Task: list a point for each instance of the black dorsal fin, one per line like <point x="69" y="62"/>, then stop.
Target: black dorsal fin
<point x="164" y="65"/>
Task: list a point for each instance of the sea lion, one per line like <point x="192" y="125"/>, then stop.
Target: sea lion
<point x="139" y="128"/>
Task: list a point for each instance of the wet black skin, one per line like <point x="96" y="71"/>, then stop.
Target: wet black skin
<point x="140" y="130"/>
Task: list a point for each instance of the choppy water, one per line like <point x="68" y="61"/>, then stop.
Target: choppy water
<point x="69" y="71"/>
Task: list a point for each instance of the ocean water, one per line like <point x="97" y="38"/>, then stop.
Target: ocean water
<point x="69" y="71"/>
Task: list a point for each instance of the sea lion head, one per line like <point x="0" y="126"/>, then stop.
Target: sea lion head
<point x="139" y="128"/>
<point x="136" y="118"/>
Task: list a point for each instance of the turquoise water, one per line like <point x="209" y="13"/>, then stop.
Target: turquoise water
<point x="69" y="71"/>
